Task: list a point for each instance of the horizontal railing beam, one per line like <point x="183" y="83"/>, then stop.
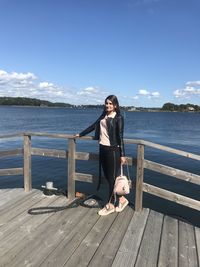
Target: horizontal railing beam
<point x="46" y="152"/>
<point x="172" y="150"/>
<point x="50" y="135"/>
<point x="183" y="175"/>
<point x="84" y="177"/>
<point x="10" y="153"/>
<point x="90" y="178"/>
<point x="11" y="171"/>
<point x="4" y="136"/>
<point x="186" y="201"/>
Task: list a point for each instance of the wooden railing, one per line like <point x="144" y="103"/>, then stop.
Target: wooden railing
<point x="72" y="155"/>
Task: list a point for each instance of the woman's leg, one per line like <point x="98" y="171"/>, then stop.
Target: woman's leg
<point x="110" y="161"/>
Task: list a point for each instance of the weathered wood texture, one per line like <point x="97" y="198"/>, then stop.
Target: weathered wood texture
<point x="186" y="176"/>
<point x="11" y="171"/>
<point x="139" y="178"/>
<point x="27" y="163"/>
<point x="71" y="168"/>
<point x="36" y="230"/>
<point x="11" y="153"/>
<point x="186" y="201"/>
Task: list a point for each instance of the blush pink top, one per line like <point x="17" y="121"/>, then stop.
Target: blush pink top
<point x="104" y="137"/>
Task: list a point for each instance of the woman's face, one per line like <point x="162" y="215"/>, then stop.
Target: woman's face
<point x="109" y="106"/>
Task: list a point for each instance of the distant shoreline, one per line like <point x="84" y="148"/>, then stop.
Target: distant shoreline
<point x="33" y="102"/>
<point x="150" y="110"/>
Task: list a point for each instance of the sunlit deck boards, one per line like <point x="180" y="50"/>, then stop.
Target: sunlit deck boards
<point x="77" y="236"/>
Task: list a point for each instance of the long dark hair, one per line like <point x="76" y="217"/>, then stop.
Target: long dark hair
<point x="115" y="102"/>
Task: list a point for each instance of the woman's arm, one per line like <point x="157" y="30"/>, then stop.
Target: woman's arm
<point x="120" y="132"/>
<point x="90" y="128"/>
<point x="87" y="130"/>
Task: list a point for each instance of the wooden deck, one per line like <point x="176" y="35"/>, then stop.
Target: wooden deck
<point x="36" y="230"/>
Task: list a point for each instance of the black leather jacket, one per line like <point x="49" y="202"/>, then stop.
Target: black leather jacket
<point x="115" y="131"/>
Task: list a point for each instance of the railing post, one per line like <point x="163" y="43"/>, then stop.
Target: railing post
<point x="139" y="178"/>
<point x="27" y="163"/>
<point x="71" y="169"/>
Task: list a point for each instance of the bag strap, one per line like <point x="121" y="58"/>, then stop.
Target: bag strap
<point x="128" y="174"/>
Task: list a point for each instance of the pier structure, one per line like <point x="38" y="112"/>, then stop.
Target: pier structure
<point x="36" y="230"/>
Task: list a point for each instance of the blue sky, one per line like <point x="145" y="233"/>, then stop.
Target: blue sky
<point x="79" y="51"/>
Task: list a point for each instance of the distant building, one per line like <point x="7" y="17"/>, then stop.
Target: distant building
<point x="132" y="109"/>
<point x="191" y="109"/>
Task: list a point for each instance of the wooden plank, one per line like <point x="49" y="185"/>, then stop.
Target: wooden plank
<point x="86" y="156"/>
<point x="183" y="175"/>
<point x="71" y="169"/>
<point x="171" y="150"/>
<point x="84" y="177"/>
<point x="197" y="235"/>
<point x="46" y="152"/>
<point x="187" y="246"/>
<point x="11" y="153"/>
<point x="168" y="255"/>
<point x="139" y="178"/>
<point x="50" y="135"/>
<point x="27" y="163"/>
<point x="3" y="191"/>
<point x="8" y="195"/>
<point x="4" y="136"/>
<point x="106" y="252"/>
<point x="11" y="171"/>
<point x="149" y="248"/>
<point x="186" y="201"/>
<point x="15" y="243"/>
<point x="38" y="244"/>
<point x="128" y="250"/>
<point x="18" y="207"/>
<point x="14" y="197"/>
<point x="89" y="178"/>
<point x="66" y="248"/>
<point x="91" y="242"/>
<point x="13" y="232"/>
<point x="94" y="156"/>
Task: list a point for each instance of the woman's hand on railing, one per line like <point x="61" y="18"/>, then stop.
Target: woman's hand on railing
<point x="76" y="135"/>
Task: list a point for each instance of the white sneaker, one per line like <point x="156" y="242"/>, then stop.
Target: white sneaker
<point x="108" y="209"/>
<point x="122" y="206"/>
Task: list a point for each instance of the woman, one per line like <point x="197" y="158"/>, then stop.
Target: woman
<point x="109" y="128"/>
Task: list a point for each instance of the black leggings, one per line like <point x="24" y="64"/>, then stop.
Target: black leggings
<point x="110" y="162"/>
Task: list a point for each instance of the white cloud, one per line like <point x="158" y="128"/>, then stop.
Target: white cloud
<point x="145" y="93"/>
<point x="190" y="90"/>
<point x="92" y="95"/>
<point x="16" y="80"/>
<point x="28" y="85"/>
<point x="155" y="94"/>
<point x="193" y="83"/>
<point x="45" y="85"/>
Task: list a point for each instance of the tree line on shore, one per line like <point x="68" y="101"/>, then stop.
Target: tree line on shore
<point x="25" y="101"/>
<point x="180" y="108"/>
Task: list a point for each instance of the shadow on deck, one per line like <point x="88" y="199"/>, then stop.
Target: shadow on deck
<point x="76" y="236"/>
